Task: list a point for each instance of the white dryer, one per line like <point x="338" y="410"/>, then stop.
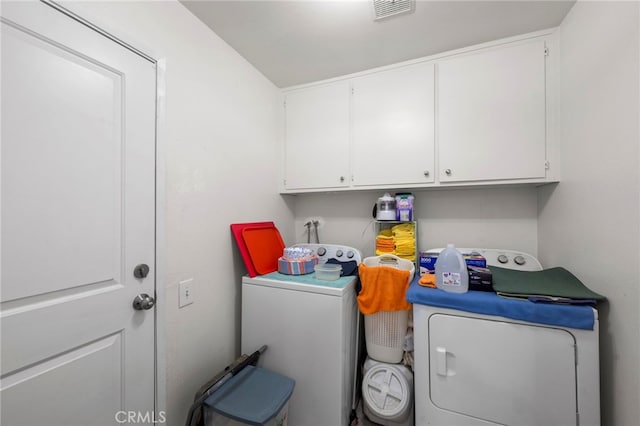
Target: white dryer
<point x="474" y="368"/>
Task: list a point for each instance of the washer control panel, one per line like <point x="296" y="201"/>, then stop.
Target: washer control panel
<point x="333" y="251"/>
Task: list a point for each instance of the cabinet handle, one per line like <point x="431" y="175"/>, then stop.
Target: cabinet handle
<point x="448" y="172"/>
<point x="426" y="173"/>
<point x="341" y="178"/>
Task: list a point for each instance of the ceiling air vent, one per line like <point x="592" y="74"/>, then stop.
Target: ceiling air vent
<point x="386" y="8"/>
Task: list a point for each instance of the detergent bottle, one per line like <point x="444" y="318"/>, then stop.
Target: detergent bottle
<point x="451" y="271"/>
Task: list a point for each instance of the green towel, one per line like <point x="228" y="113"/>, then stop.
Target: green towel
<point x="557" y="282"/>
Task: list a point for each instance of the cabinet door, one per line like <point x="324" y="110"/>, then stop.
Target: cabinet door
<point x="491" y="114"/>
<point x="317" y="137"/>
<point x="393" y="134"/>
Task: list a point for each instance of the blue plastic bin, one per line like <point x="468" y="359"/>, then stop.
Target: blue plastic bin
<point x="254" y="396"/>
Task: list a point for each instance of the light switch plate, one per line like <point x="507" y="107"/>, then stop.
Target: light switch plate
<point x="185" y="296"/>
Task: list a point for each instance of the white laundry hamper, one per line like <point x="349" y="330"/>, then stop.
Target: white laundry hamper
<point x="387" y="393"/>
<point x="385" y="331"/>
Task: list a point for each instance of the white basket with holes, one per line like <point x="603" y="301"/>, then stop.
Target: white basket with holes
<point x="385" y="331"/>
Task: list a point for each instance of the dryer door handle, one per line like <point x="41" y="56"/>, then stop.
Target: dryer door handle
<point x="441" y="361"/>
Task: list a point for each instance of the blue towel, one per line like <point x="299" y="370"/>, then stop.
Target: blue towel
<point x="488" y="303"/>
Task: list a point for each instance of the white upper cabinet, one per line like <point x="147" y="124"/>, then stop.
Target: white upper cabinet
<point x="491" y="114"/>
<point x="393" y="127"/>
<point x="317" y="137"/>
<point x="483" y="115"/>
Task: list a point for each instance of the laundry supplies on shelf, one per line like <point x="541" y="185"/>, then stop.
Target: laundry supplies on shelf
<point x="405" y="239"/>
<point x="404" y="207"/>
<point x="398" y="239"/>
<point x="385" y="243"/>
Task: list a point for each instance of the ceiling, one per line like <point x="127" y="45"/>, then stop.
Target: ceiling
<point x="300" y="41"/>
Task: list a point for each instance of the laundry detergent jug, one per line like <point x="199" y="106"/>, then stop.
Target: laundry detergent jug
<point x="451" y="271"/>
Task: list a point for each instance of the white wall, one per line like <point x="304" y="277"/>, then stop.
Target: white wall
<point x="219" y="140"/>
<point x="590" y="222"/>
<point x="485" y="218"/>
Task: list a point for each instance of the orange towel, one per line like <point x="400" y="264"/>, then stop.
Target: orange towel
<point x="383" y="289"/>
<point x="428" y="280"/>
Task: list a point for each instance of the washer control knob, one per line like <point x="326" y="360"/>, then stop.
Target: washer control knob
<point x="350" y="254"/>
<point x="321" y="251"/>
<point x="519" y="260"/>
<point x="503" y="258"/>
<point x="339" y="253"/>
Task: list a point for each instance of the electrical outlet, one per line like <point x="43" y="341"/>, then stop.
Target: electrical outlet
<point x="186" y="293"/>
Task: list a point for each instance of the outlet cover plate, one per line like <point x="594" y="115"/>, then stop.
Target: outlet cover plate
<point x="185" y="296"/>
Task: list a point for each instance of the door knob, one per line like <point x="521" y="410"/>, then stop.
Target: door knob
<point x="143" y="302"/>
<point x="141" y="271"/>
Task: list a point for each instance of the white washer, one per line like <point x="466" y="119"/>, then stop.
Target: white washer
<point x="309" y="327"/>
<point x="474" y="369"/>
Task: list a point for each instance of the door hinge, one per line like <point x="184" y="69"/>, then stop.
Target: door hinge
<point x="546" y="51"/>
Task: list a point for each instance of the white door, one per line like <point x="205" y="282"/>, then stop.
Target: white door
<point x="502" y="373"/>
<point x="77" y="194"/>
